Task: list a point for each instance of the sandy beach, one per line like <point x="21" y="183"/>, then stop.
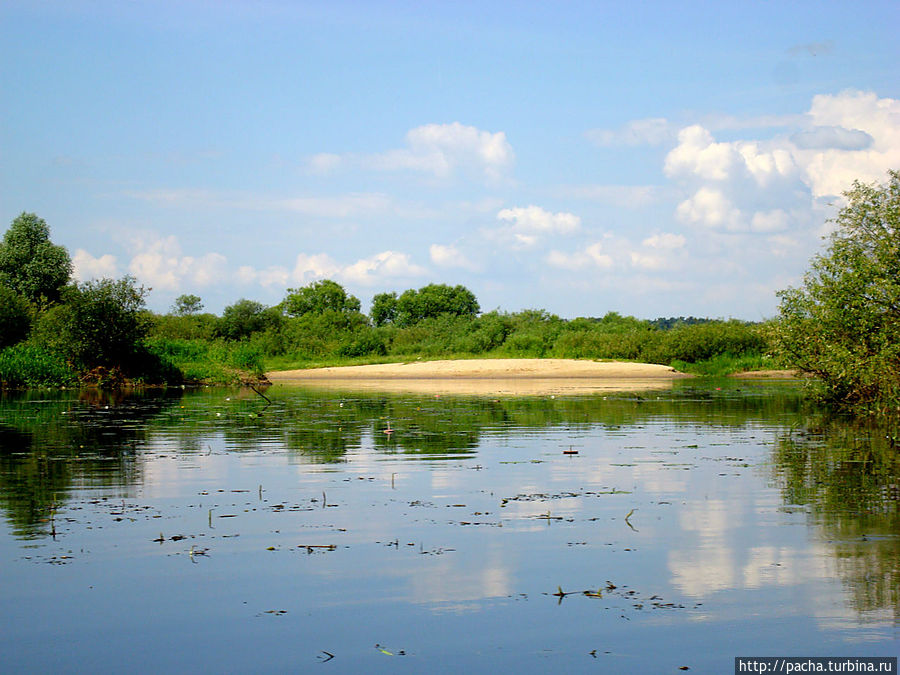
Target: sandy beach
<point x="512" y="377"/>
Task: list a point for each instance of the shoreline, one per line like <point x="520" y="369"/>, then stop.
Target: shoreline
<point x="515" y="377"/>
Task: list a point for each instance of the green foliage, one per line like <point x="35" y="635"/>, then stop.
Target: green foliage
<point x="433" y="300"/>
<point x="843" y="323"/>
<point x="30" y="263"/>
<point x="701" y="341"/>
<point x="187" y="305"/>
<point x="32" y="365"/>
<point x="367" y="342"/>
<point x="100" y="324"/>
<point x="319" y="297"/>
<point x="191" y="327"/>
<point x="245" y="317"/>
<point x="211" y="362"/>
<point x="249" y="358"/>
<point x="384" y="309"/>
<point x="15" y="317"/>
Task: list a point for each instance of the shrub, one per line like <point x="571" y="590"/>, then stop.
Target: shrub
<point x="15" y="317"/>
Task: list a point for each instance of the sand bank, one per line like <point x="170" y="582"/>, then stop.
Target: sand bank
<point x="514" y="377"/>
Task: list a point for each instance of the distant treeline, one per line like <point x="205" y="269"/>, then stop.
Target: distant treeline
<point x="321" y="324"/>
<point x="57" y="332"/>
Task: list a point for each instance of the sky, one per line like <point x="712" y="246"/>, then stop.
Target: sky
<point x="653" y="159"/>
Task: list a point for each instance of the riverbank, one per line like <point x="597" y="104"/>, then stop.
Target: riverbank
<point x="488" y="376"/>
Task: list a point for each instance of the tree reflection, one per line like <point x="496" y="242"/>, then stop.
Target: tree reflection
<point x="54" y="443"/>
<point x="849" y="474"/>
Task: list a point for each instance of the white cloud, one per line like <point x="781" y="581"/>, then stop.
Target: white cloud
<point x="831" y="171"/>
<point x="767" y="186"/>
<point x="444" y="149"/>
<point x="308" y="268"/>
<point x="527" y="224"/>
<point x="159" y="263"/>
<point x="449" y="256"/>
<point x="592" y="256"/>
<point x="665" y="240"/>
<point x="827" y="138"/>
<point x="86" y="267"/>
<point x="384" y="265"/>
<point x="697" y="154"/>
<point x="323" y="163"/>
<point x="711" y="208"/>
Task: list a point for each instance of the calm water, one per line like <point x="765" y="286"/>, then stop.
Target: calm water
<point x="210" y="531"/>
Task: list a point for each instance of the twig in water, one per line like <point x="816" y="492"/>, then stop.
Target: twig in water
<point x="260" y="393"/>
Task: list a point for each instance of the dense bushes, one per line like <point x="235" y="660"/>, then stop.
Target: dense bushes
<point x="31" y="365"/>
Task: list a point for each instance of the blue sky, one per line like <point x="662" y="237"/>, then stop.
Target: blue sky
<point x="655" y="159"/>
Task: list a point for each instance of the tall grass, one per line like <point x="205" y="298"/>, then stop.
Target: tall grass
<point x="29" y="365"/>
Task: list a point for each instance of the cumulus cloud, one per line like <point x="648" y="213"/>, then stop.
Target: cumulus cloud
<point x="449" y="256"/>
<point x="711" y="208"/>
<point x="526" y="225"/>
<point x="86" y="267"/>
<point x="159" y="263"/>
<point x="826" y="138"/>
<point x="749" y="185"/>
<point x="381" y="266"/>
<point x="440" y="150"/>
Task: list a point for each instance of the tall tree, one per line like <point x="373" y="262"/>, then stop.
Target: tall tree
<point x="433" y="300"/>
<point x="187" y="305"/>
<point x="319" y="297"/>
<point x="843" y="323"/>
<point x="30" y="263"/>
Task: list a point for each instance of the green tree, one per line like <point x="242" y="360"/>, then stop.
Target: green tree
<point x="432" y="301"/>
<point x="30" y="263"/>
<point x="187" y="305"/>
<point x="843" y="323"/>
<point x="244" y="318"/>
<point x="319" y="297"/>
<point x="101" y="323"/>
<point x="384" y="308"/>
<point x="15" y="317"/>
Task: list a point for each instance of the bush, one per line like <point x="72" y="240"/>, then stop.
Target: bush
<point x="15" y="317"/>
<point x="245" y="317"/>
<point x="366" y="343"/>
<point x="100" y="324"/>
<point x="248" y="358"/>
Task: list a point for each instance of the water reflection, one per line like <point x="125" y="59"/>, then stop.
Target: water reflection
<point x="847" y="473"/>
<point x="704" y="505"/>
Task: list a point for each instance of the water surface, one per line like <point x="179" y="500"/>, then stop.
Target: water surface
<point x="363" y="532"/>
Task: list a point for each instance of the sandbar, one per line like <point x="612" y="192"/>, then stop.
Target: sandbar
<point x="509" y="377"/>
